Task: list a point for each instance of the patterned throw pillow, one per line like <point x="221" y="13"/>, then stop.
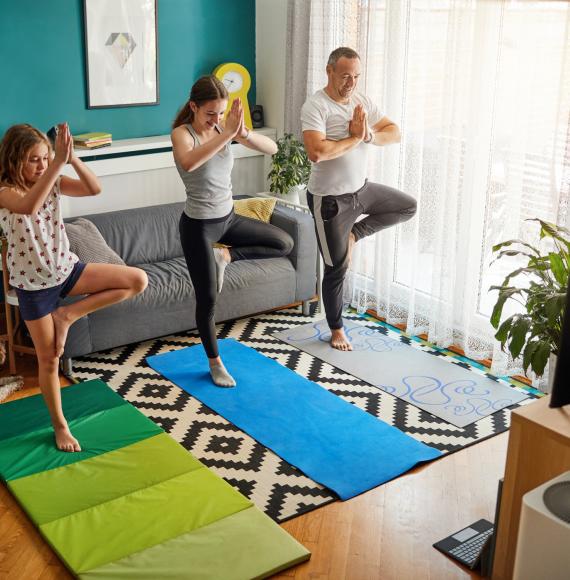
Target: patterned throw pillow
<point x="86" y="241"/>
<point x="258" y="208"/>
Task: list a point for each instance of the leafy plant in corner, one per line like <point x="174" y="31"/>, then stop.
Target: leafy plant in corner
<point x="537" y="332"/>
<point x="290" y="166"/>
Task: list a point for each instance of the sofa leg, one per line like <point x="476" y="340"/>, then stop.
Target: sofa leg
<point x="67" y="366"/>
<point x="306" y="306"/>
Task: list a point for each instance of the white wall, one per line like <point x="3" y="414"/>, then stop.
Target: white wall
<point x="270" y="60"/>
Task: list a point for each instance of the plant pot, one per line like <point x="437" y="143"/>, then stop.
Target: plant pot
<point x="294" y="194"/>
<point x="547" y="388"/>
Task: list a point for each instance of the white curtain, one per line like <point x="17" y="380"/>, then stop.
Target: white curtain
<point x="481" y="92"/>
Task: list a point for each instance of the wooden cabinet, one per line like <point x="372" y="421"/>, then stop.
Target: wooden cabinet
<point x="538" y="450"/>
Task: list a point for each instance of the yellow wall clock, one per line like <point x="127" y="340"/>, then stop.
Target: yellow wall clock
<point x="238" y="81"/>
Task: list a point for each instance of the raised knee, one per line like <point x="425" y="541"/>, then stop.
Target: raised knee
<point x="412" y="208"/>
<point x="139" y="281"/>
<point x="287" y="245"/>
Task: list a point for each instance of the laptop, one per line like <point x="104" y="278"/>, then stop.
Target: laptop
<point x="468" y="545"/>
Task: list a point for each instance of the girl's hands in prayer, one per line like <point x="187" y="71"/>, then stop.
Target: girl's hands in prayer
<point x="234" y="120"/>
<point x="63" y="144"/>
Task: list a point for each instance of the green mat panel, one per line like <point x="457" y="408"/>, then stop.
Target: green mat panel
<point x="31" y="414"/>
<point x="99" y="433"/>
<point x="108" y="532"/>
<point x="241" y="546"/>
<point x="57" y="493"/>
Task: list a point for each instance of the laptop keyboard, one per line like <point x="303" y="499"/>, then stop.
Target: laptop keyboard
<point x="469" y="551"/>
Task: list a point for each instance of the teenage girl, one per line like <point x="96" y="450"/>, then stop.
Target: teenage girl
<point x="42" y="268"/>
<point x="201" y="145"/>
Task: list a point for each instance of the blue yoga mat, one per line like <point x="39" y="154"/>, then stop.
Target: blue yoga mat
<point x="328" y="439"/>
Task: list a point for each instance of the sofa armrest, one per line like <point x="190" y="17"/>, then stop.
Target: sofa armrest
<point x="300" y="226"/>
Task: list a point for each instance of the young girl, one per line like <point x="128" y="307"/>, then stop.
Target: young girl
<point x="201" y="146"/>
<point x="42" y="268"/>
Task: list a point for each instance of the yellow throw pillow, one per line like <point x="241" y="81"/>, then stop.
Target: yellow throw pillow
<point x="258" y="208"/>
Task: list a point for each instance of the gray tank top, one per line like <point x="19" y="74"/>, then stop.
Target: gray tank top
<point x="209" y="187"/>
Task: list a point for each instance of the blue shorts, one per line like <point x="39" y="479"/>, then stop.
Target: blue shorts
<point x="36" y="304"/>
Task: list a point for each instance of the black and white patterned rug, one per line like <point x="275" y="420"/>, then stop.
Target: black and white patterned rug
<point x="275" y="486"/>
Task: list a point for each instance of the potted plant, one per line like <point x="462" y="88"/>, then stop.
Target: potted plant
<point x="290" y="168"/>
<point x="536" y="333"/>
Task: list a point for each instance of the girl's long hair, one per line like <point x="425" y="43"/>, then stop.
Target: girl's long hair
<point x="207" y="88"/>
<point x="14" y="150"/>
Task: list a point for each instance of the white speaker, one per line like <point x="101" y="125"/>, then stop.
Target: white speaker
<point x="543" y="545"/>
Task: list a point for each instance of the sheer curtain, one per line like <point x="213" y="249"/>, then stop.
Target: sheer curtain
<point x="481" y="91"/>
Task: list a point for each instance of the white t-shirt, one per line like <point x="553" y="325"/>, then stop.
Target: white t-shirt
<point x="346" y="173"/>
<point x="38" y="249"/>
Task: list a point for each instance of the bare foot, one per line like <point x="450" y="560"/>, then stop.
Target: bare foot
<point x="65" y="441"/>
<point x="351" y="242"/>
<point x="61" y="324"/>
<point x="339" y="340"/>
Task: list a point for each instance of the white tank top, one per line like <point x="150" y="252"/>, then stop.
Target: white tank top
<point x="38" y="248"/>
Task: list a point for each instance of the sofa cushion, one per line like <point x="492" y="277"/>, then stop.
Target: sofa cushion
<point x="257" y="208"/>
<point x="86" y="241"/>
<point x="142" y="235"/>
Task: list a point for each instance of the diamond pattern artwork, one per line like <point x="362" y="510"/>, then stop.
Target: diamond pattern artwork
<point x="274" y="485"/>
<point x="121" y="45"/>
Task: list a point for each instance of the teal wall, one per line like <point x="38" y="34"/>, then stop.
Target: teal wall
<point x="42" y="58"/>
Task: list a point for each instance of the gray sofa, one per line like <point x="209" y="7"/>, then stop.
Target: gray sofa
<point x="148" y="238"/>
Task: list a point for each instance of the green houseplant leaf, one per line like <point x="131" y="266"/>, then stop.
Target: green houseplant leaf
<point x="540" y="287"/>
<point x="290" y="166"/>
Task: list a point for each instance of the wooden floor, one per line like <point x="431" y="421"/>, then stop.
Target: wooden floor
<point x="384" y="534"/>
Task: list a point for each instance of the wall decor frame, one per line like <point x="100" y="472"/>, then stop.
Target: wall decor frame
<point x="121" y="53"/>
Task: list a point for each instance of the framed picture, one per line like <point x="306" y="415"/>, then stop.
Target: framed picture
<point x="121" y="53"/>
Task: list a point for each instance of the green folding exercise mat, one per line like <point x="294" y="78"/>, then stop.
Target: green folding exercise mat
<point x="134" y="503"/>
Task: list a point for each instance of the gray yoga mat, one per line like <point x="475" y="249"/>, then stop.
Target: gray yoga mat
<point x="438" y="386"/>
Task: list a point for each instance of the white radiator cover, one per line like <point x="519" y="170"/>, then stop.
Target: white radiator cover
<point x="543" y="546"/>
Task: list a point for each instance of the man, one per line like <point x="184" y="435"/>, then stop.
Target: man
<point x="338" y="126"/>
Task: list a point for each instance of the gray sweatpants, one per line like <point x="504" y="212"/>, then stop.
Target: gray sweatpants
<point x="335" y="217"/>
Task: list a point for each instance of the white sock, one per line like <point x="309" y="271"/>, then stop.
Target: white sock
<point x="221" y="264"/>
<point x="221" y="377"/>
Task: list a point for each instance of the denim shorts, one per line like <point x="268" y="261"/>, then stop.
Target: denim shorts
<point x="36" y="304"/>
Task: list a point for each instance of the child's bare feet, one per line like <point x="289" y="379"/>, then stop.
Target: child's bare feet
<point x="339" y="339"/>
<point x="61" y="324"/>
<point x="65" y="441"/>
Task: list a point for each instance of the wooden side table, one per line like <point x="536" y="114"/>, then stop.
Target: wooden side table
<point x="538" y="450"/>
<point x="13" y="321"/>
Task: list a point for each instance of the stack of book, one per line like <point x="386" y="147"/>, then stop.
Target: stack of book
<point x="92" y="140"/>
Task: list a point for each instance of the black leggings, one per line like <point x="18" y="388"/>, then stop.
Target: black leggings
<point x="249" y="239"/>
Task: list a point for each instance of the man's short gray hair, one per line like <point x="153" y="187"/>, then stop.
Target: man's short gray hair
<point x="342" y="51"/>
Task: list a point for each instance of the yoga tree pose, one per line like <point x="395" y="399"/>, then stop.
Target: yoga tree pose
<point x="201" y="145"/>
<point x="42" y="267"/>
<point x="337" y="124"/>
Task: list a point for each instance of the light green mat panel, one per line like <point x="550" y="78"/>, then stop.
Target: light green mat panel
<point x="245" y="545"/>
<point x="133" y="503"/>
